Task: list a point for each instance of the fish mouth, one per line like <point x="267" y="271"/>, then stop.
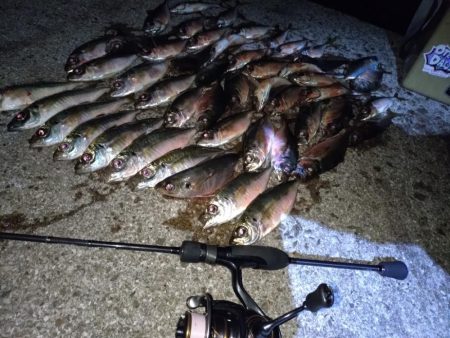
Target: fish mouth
<point x="119" y="93"/>
<point x="37" y="142"/>
<point x="98" y="162"/>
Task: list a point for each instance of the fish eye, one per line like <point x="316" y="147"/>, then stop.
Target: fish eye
<point x="73" y="60"/>
<point x="310" y="170"/>
<point x="41" y="132"/>
<point x="117" y="84"/>
<point x="203" y="120"/>
<point x="171" y="118"/>
<point x="169" y="187"/>
<point x="64" y="146"/>
<point x="207" y="135"/>
<point x="188" y="185"/>
<point x="116" y="45"/>
<point x="23" y="115"/>
<point x="118" y="163"/>
<point x="147" y="172"/>
<point x="143" y="97"/>
<point x="79" y="70"/>
<point x="87" y="158"/>
<point x="241" y="231"/>
<point x="213" y="209"/>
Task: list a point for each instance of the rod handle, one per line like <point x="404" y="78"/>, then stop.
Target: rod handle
<point x="256" y="257"/>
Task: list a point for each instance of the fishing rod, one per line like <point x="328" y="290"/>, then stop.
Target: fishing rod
<point x="222" y="318"/>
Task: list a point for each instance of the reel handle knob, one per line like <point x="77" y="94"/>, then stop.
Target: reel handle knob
<point x="320" y="298"/>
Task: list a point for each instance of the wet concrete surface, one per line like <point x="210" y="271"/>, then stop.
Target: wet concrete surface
<point x="395" y="190"/>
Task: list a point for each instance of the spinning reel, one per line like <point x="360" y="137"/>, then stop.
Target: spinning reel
<point x="222" y="318"/>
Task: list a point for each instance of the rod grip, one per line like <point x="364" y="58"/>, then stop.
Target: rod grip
<point x="395" y="269"/>
<point x="260" y="257"/>
<point x="256" y="257"/>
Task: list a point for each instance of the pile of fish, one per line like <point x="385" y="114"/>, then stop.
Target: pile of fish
<point x="214" y="106"/>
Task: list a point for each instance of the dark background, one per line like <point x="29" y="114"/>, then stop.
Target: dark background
<point x="394" y="15"/>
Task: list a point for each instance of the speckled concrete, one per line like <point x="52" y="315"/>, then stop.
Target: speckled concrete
<point x="395" y="191"/>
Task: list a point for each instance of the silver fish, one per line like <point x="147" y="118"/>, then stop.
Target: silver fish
<point x="138" y="78"/>
<point x="157" y="19"/>
<point x="103" y="150"/>
<point x="279" y="39"/>
<point x="290" y="48"/>
<point x="175" y="162"/>
<point x="265" y="213"/>
<point x="21" y="96"/>
<point x="164" y="92"/>
<point x="226" y="130"/>
<point x="240" y="60"/>
<point x="264" y="69"/>
<point x="223" y="44"/>
<point x="103" y="68"/>
<point x="145" y="150"/>
<point x="205" y="39"/>
<point x="313" y="80"/>
<point x="322" y="156"/>
<point x="193" y="7"/>
<point x="203" y="180"/>
<point x="283" y="154"/>
<point x="166" y="50"/>
<point x="255" y="32"/>
<point x="193" y="105"/>
<point x="95" y="49"/>
<point x="60" y="125"/>
<point x="378" y="108"/>
<point x="299" y="67"/>
<point x="262" y="92"/>
<point x="40" y="111"/>
<point x="235" y="197"/>
<point x="238" y="91"/>
<point x="75" y="144"/>
<point x="189" y="28"/>
<point x="258" y="145"/>
<point x="228" y="17"/>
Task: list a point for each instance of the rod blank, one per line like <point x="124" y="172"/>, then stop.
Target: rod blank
<point x="90" y="243"/>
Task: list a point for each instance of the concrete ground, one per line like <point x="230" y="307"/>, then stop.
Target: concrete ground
<point x="389" y="198"/>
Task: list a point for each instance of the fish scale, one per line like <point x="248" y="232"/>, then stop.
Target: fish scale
<point x="148" y="148"/>
<point x="265" y="213"/>
<point x="235" y="197"/>
<point x="18" y="97"/>
<point x="111" y="143"/>
<point x="42" y="110"/>
<point x="202" y="180"/>
<point x="79" y="139"/>
<point x="63" y="123"/>
<point x="174" y="162"/>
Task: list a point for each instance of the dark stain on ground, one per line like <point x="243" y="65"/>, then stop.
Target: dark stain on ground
<point x="78" y="195"/>
<point x="187" y="219"/>
<point x="419" y="185"/>
<point x="115" y="228"/>
<point x="79" y="185"/>
<point x="18" y="221"/>
<point x="314" y="186"/>
<point x="419" y="196"/>
<point x="96" y="196"/>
